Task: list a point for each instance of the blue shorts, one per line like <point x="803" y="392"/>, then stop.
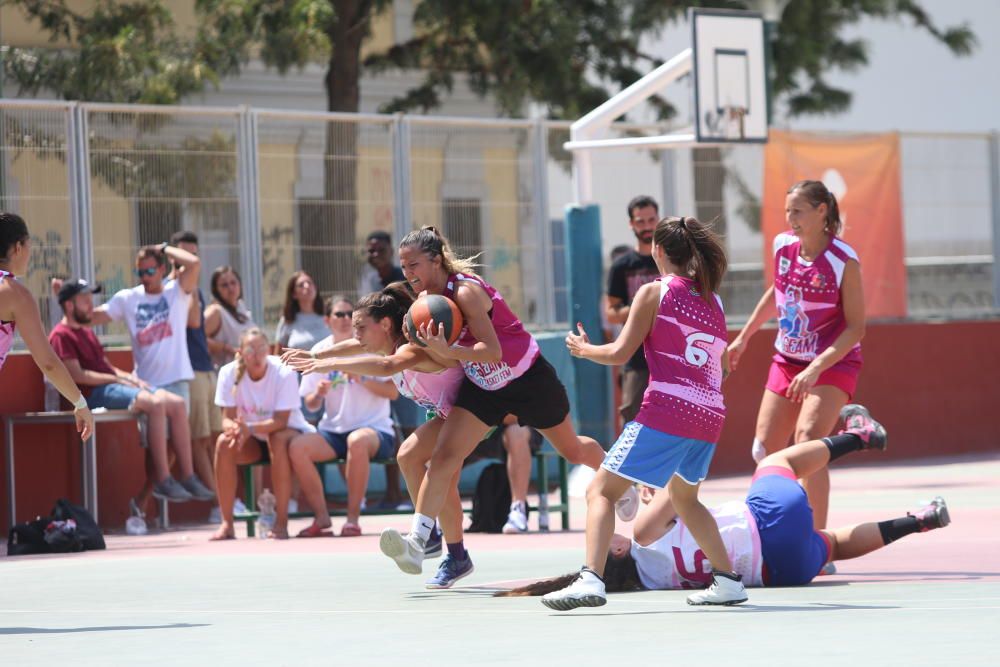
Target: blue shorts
<point x="793" y="551"/>
<point x="645" y="455"/>
<point x="113" y="396"/>
<point x="180" y="388"/>
<point x="338" y="443"/>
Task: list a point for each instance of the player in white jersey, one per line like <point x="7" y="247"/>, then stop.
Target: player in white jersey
<point x="769" y="536"/>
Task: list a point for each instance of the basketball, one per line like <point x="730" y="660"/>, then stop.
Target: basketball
<point x="437" y="309"/>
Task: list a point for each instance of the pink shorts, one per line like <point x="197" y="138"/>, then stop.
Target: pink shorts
<point x="844" y="376"/>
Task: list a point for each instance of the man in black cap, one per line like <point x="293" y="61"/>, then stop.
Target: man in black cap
<point x="108" y="387"/>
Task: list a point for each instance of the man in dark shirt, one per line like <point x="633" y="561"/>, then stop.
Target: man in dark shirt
<point x="628" y="273"/>
<point x="380" y="269"/>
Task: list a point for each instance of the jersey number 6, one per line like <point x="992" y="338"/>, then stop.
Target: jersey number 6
<point x="694" y="355"/>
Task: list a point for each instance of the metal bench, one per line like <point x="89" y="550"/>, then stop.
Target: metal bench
<point x="541" y="458"/>
<point x="88" y="469"/>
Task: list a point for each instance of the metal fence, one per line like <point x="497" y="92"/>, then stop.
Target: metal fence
<point x="271" y="192"/>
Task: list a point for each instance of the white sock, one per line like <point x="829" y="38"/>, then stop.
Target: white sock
<point x="519" y="506"/>
<point x="422" y="526"/>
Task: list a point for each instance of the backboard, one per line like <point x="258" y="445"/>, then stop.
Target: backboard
<point x="730" y="88"/>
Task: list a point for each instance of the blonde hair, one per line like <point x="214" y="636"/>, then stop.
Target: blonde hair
<point x="431" y="242"/>
<point x="241" y="364"/>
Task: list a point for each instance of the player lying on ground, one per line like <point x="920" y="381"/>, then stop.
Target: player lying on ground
<point x="769" y="536"/>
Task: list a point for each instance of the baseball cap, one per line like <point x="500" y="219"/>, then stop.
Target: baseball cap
<point x="71" y="288"/>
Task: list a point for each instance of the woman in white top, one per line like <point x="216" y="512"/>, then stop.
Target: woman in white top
<point x="227" y="317"/>
<point x="260" y="415"/>
<point x="356" y="426"/>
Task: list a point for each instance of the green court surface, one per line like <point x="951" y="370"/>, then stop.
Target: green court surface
<point x="173" y="598"/>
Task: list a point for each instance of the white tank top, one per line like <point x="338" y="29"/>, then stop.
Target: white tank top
<point x="674" y="561"/>
<point x="230" y="331"/>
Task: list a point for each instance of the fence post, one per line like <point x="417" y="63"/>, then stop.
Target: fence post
<point x="994" y="148"/>
<point x="248" y="188"/>
<point x="401" y="176"/>
<point x="540" y="213"/>
<point x="78" y="168"/>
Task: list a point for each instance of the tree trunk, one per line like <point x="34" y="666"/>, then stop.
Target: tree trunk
<point x="331" y="227"/>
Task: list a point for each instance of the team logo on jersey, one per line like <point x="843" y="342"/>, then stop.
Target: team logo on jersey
<point x="783" y="265"/>
<point x="795" y="338"/>
<point x="818" y="280"/>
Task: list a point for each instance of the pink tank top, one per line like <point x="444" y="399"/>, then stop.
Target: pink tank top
<point x="810" y="310"/>
<point x="518" y="347"/>
<point x="6" y="329"/>
<point x="684" y="352"/>
<point x="432" y="391"/>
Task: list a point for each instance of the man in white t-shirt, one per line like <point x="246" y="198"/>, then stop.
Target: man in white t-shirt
<point x="156" y="316"/>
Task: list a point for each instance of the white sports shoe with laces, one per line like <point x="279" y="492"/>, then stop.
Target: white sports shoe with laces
<point x="517" y="520"/>
<point x="726" y="589"/>
<point x="407" y="550"/>
<point x="587" y="590"/>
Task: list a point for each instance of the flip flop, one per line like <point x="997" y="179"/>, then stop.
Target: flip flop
<point x="350" y="530"/>
<point x="315" y="531"/>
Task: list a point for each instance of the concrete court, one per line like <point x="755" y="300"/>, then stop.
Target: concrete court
<point x="174" y="599"/>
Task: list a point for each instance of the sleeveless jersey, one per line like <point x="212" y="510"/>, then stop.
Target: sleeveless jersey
<point x="810" y="310"/>
<point x="6" y="328"/>
<point x="675" y="561"/>
<point x="519" y="349"/>
<point x="684" y="352"/>
<point x="435" y="392"/>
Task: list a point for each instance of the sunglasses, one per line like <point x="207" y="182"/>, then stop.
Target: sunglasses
<point x="342" y="313"/>
<point x="151" y="271"/>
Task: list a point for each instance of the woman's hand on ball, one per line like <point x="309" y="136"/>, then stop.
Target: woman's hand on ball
<point x="432" y="335"/>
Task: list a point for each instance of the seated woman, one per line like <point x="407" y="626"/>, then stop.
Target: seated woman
<point x="259" y="398"/>
<point x="356" y="426"/>
<point x="769" y="536"/>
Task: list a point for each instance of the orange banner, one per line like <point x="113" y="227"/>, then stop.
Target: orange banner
<point x="864" y="173"/>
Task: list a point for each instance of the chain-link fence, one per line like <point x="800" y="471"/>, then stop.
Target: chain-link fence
<point x="272" y="192"/>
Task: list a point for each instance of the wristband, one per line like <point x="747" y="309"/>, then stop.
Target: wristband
<point x="313" y="355"/>
<point x="81" y="403"/>
<point x="163" y="246"/>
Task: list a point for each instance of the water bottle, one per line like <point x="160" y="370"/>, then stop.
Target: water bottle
<point x="266" y="503"/>
<point x="543" y="510"/>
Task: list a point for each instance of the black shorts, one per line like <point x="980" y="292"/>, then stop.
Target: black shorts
<point x="537" y="398"/>
<point x="265" y="451"/>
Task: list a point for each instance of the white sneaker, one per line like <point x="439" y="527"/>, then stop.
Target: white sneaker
<point x="239" y="507"/>
<point x="406" y="550"/>
<point x="587" y="590"/>
<point x="517" y="520"/>
<point x="628" y="505"/>
<point x="724" y="590"/>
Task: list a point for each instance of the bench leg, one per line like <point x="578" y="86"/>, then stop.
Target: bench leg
<point x="11" y="495"/>
<point x="248" y="493"/>
<point x="564" y="491"/>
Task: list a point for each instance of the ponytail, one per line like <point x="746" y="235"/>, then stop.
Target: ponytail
<point x="816" y="193"/>
<point x="693" y="247"/>
<point x="392" y="301"/>
<point x="241" y="364"/>
<point x="621" y="575"/>
<point x="431" y="242"/>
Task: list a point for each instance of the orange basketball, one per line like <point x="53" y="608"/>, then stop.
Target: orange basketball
<point x="437" y="309"/>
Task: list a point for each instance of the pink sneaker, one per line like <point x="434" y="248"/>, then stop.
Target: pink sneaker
<point x="858" y="422"/>
<point x="933" y="515"/>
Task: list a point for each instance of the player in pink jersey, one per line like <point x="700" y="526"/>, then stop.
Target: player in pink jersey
<point x="819" y="302"/>
<point x="769" y="535"/>
<point x="505" y="374"/>
<point x="18" y="307"/>
<point x="679" y="321"/>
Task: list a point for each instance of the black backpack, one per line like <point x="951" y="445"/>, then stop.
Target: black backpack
<point x="28" y="538"/>
<point x="86" y="528"/>
<point x="491" y="500"/>
<point x="31" y="537"/>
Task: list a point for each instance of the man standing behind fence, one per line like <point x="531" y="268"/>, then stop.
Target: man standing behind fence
<point x="156" y="316"/>
<point x="629" y="272"/>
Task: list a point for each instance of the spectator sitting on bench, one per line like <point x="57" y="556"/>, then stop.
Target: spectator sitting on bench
<point x="356" y="426"/>
<point x="114" y="389"/>
<point x="517" y="444"/>
<point x="261" y="413"/>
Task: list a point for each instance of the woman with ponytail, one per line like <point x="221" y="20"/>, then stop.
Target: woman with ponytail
<point x="431" y="382"/>
<point x="260" y="415"/>
<point x="505" y="373"/>
<point x="820" y="305"/>
<point x="678" y="319"/>
<point x="18" y="307"/>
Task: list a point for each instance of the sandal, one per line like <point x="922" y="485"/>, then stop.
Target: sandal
<point x="277" y="534"/>
<point x="350" y="530"/>
<point x="315" y="531"/>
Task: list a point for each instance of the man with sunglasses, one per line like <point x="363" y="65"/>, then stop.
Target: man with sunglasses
<point x="156" y="315"/>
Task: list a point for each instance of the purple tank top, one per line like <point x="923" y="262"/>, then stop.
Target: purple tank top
<point x="6" y="329"/>
<point x="684" y="351"/>
<point x="432" y="391"/>
<point x="518" y="347"/>
<point x="810" y="310"/>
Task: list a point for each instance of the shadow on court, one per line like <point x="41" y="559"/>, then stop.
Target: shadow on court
<point x="103" y="628"/>
<point x="742" y="609"/>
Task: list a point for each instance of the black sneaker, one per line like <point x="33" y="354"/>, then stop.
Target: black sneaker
<point x="857" y="421"/>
